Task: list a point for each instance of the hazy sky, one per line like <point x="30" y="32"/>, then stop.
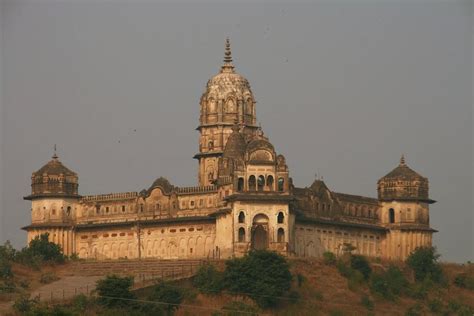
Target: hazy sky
<point x="342" y="90"/>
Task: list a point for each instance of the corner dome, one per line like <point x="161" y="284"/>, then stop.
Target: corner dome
<point x="162" y="183"/>
<point x="403" y="183"/>
<point x="236" y="144"/>
<point x="54" y="167"/>
<point x="54" y="180"/>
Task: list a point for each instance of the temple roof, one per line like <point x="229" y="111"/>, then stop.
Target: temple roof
<point x="55" y="167"/>
<point x="402" y="172"/>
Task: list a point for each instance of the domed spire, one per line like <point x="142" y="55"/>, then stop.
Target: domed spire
<point x="227" y="66"/>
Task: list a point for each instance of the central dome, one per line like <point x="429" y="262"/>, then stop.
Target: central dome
<point x="228" y="97"/>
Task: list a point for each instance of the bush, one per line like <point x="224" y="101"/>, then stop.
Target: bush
<point x="48" y="277"/>
<point x="329" y="258"/>
<point x="361" y="264"/>
<point x="300" y="279"/>
<point x="424" y="262"/>
<point x="414" y="310"/>
<point x="5" y="269"/>
<point x="114" y="291"/>
<point x="460" y="309"/>
<point x="389" y="284"/>
<point x="464" y="281"/>
<point x="164" y="292"/>
<point x="263" y="275"/>
<point x="435" y="306"/>
<point x="208" y="280"/>
<point x="24" y="304"/>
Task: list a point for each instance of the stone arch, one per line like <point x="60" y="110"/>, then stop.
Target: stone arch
<point x="280" y="218"/>
<point x="391" y="216"/>
<point x="208" y="247"/>
<point x="310" y="249"/>
<point x="148" y="249"/>
<point x="173" y="250"/>
<point x="241" y="234"/>
<point x="191" y="247"/>
<point x="200" y="247"/>
<point x="83" y="253"/>
<point x="105" y="250"/>
<point x="182" y="248"/>
<point x="252" y="183"/>
<point x="281" y="235"/>
<point x="241" y="218"/>
<point x="122" y="250"/>
<point x="156" y="247"/>
<point x="163" y="249"/>
<point x="260" y="233"/>
<point x="114" y="251"/>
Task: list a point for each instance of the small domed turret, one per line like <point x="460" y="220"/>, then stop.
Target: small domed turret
<point x="403" y="183"/>
<point x="53" y="180"/>
<point x="235" y="146"/>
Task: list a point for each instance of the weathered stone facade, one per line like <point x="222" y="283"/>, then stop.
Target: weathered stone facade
<point x="244" y="200"/>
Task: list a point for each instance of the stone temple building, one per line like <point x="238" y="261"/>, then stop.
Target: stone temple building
<point x="244" y="200"/>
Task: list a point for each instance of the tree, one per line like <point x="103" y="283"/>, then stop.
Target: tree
<point x="424" y="262"/>
<point x="41" y="247"/>
<point x="361" y="264"/>
<point x="164" y="292"/>
<point x="262" y="275"/>
<point x="208" y="280"/>
<point x="114" y="291"/>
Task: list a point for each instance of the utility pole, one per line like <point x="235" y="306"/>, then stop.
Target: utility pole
<point x="139" y="237"/>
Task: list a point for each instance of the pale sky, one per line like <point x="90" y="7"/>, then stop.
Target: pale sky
<point x="343" y="88"/>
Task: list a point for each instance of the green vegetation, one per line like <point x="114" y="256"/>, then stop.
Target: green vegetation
<point x="208" y="280"/>
<point x="424" y="262"/>
<point x="329" y="258"/>
<point x="114" y="291"/>
<point x="389" y="284"/>
<point x="166" y="293"/>
<point x="464" y="281"/>
<point x="361" y="264"/>
<point x="262" y="275"/>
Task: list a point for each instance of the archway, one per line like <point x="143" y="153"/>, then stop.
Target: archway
<point x="260" y="232"/>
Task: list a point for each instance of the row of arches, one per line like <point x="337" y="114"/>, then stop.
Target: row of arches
<point x="280" y="217"/>
<point x="200" y="247"/>
<point x="242" y="235"/>
<point x="261" y="183"/>
<point x="360" y="211"/>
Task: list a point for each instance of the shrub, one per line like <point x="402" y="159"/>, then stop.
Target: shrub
<point x="48" y="277"/>
<point x="389" y="284"/>
<point x="435" y="306"/>
<point x="300" y="279"/>
<point x="419" y="290"/>
<point x="114" y="291"/>
<point x="460" y="309"/>
<point x="208" y="280"/>
<point x="424" y="262"/>
<point x="5" y="269"/>
<point x="263" y="275"/>
<point x="164" y="292"/>
<point x="355" y="280"/>
<point x="24" y="304"/>
<point x="361" y="264"/>
<point x="329" y="258"/>
<point x="464" y="281"/>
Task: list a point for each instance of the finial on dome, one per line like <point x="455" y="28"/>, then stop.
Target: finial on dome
<point x="227" y="66"/>
<point x="55" y="156"/>
<point x="402" y="160"/>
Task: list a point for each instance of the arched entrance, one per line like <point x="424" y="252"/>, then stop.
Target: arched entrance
<point x="260" y="232"/>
